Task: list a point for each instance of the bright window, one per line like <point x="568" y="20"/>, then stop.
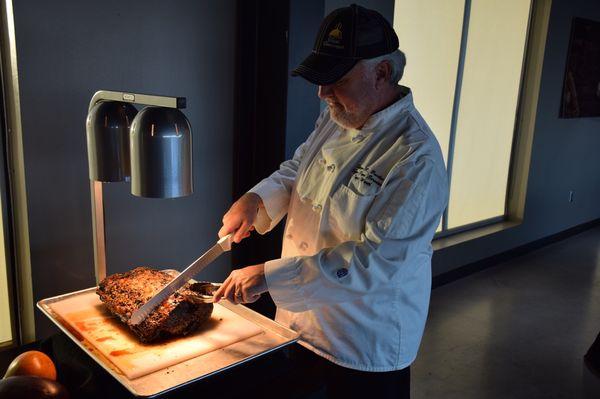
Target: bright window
<point x="430" y="33"/>
<point x="464" y="65"/>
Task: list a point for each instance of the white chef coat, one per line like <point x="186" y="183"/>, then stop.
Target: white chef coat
<point x="354" y="277"/>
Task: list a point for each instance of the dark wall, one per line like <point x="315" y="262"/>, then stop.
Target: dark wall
<point x="384" y="7"/>
<point x="66" y="51"/>
<point x="302" y="100"/>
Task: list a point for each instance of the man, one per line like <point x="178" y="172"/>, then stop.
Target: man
<point x="363" y="197"/>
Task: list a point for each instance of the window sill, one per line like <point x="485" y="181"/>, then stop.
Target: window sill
<point x="473" y="234"/>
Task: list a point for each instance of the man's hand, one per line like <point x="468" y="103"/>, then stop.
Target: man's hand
<point x="243" y="285"/>
<point x="240" y="218"/>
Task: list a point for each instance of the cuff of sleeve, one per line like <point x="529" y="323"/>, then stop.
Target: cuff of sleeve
<point x="283" y="280"/>
<point x="275" y="207"/>
<point x="262" y="224"/>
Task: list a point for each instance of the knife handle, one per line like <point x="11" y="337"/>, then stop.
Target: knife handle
<point x="225" y="242"/>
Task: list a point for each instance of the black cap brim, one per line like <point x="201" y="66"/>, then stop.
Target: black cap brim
<point x="323" y="69"/>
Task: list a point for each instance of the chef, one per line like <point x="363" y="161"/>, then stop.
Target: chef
<point x="363" y="197"/>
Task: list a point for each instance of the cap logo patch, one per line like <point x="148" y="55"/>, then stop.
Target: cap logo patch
<point x="334" y="38"/>
<point x="336" y="33"/>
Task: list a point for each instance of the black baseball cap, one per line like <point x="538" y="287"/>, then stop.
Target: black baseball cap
<point x="346" y="36"/>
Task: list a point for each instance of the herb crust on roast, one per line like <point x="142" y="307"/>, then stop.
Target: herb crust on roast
<point x="183" y="312"/>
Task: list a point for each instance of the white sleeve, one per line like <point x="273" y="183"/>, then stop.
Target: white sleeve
<point x="276" y="189"/>
<point x="396" y="240"/>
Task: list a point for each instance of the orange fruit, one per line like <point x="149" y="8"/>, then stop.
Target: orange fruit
<point x="33" y="363"/>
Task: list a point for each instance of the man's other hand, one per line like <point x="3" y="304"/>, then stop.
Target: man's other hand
<point x="243" y="285"/>
<point x="240" y="218"/>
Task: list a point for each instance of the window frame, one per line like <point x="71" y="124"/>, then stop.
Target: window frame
<point x="7" y="224"/>
<point x="14" y="193"/>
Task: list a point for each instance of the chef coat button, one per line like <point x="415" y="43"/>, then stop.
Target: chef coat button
<point x="322" y="161"/>
<point x="331" y="167"/>
<point x="289" y="236"/>
<point x="341" y="272"/>
<point x="305" y="199"/>
<point x="303" y="246"/>
<point x="358" y="138"/>
<point x="317" y="208"/>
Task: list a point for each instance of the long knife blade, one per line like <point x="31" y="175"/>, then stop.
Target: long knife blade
<point x="223" y="245"/>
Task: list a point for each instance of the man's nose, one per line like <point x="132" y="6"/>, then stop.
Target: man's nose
<point x="324" y="91"/>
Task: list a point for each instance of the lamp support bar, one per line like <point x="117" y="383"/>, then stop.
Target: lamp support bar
<point x="98" y="228"/>
<point x="98" y="231"/>
<point x="135" y="98"/>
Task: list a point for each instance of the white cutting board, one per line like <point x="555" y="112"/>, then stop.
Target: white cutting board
<point x="88" y="318"/>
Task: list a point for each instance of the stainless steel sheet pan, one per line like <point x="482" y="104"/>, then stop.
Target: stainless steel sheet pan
<point x="159" y="382"/>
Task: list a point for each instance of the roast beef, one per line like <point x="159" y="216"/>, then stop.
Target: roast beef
<point x="181" y="313"/>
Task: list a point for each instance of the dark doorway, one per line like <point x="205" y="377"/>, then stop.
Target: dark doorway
<point x="260" y="116"/>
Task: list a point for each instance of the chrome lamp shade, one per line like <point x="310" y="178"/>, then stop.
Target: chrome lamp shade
<point x="153" y="146"/>
<point x="107" y="129"/>
<point x="161" y="153"/>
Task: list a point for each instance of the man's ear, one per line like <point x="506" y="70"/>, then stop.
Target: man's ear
<point x="383" y="72"/>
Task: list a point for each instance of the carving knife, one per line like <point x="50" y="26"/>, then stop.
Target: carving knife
<point x="223" y="245"/>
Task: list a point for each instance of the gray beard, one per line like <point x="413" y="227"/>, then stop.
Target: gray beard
<point x="345" y="120"/>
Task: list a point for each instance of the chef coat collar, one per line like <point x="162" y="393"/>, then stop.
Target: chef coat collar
<point x="390" y="113"/>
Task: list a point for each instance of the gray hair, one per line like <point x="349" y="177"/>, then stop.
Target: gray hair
<point x="397" y="60"/>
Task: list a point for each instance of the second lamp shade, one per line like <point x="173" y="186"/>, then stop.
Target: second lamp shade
<point x="161" y="153"/>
